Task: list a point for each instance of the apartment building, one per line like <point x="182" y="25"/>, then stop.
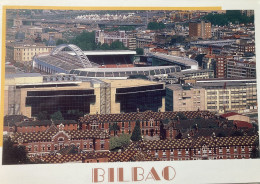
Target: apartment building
<point x="241" y="69"/>
<point x="215" y="95"/>
<point x="200" y="29"/>
<point x="237" y="95"/>
<point x="184" y="98"/>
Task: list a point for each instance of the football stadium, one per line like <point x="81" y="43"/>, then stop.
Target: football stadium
<point x="70" y="59"/>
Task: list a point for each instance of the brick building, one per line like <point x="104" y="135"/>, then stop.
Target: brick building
<point x="249" y="47"/>
<point x="54" y="140"/>
<point x="200" y="148"/>
<point x="221" y="66"/>
<point x="150" y="122"/>
<point x="200" y="29"/>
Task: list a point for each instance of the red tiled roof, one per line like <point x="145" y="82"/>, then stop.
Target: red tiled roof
<point x="228" y="114"/>
<point x="133" y="116"/>
<point x="243" y="124"/>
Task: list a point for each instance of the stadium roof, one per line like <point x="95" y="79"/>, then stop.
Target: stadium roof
<point x="106" y="52"/>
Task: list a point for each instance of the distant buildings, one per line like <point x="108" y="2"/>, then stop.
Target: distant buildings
<point x="200" y="29"/>
<point x="128" y="40"/>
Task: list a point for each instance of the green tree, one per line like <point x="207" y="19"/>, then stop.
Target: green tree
<point x="74" y="114"/>
<point x="136" y="135"/>
<point x="162" y="131"/>
<point x="14" y="154"/>
<point x="234" y="16"/>
<point x="155" y="26"/>
<point x="104" y="46"/>
<point x="117" y="45"/>
<point x="180" y="116"/>
<point x="139" y="51"/>
<point x="57" y="116"/>
<point x="85" y="40"/>
<point x="60" y="41"/>
<point x="114" y="127"/>
<point x="119" y="142"/>
<point x="42" y="115"/>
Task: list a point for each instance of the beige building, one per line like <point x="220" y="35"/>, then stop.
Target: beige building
<point x="31" y="94"/>
<point x="218" y="96"/>
<point x="25" y="53"/>
<point x="184" y="98"/>
<point x="230" y="95"/>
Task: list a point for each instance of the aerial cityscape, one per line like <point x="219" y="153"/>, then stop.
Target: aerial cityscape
<point x="90" y="86"/>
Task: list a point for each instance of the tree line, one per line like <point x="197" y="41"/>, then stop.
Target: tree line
<point x="233" y="16"/>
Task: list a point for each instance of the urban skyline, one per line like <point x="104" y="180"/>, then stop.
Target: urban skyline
<point x="109" y="86"/>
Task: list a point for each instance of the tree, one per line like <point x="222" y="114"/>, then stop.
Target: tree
<point x="57" y="116"/>
<point x="119" y="142"/>
<point x="85" y="41"/>
<point x="139" y="51"/>
<point x="42" y="115"/>
<point x="155" y="26"/>
<point x="60" y="41"/>
<point x="162" y="131"/>
<point x="74" y="114"/>
<point x="180" y="116"/>
<point x="14" y="154"/>
<point x="114" y="128"/>
<point x="117" y="45"/>
<point x="234" y="16"/>
<point x="136" y="135"/>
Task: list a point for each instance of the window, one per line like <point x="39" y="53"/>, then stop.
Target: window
<point x="61" y="139"/>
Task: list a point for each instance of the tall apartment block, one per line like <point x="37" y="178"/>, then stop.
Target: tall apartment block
<point x="200" y="29"/>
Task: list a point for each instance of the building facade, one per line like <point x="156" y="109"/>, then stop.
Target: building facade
<point x="184" y="98"/>
<point x="238" y="95"/>
<point x="24" y="54"/>
<point x="54" y="140"/>
<point x="200" y="29"/>
<point x="31" y="94"/>
<point x="240" y="69"/>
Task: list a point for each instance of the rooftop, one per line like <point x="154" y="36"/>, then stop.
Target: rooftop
<point x="129" y="83"/>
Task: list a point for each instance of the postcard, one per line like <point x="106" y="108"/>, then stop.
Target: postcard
<point x="159" y="92"/>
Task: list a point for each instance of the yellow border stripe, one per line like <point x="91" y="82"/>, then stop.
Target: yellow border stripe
<point x="112" y="8"/>
<point x="66" y="8"/>
<point x="2" y="75"/>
